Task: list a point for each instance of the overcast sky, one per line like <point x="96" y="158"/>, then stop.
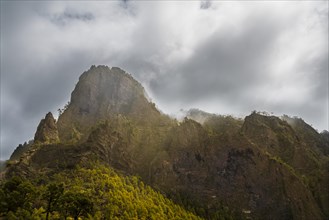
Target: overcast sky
<point x="227" y="57"/>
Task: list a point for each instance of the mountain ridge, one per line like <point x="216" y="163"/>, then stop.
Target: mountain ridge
<point x="248" y="165"/>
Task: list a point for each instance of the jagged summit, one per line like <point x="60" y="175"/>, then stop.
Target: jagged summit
<point x="101" y="93"/>
<point x="47" y="130"/>
<point x="102" y="90"/>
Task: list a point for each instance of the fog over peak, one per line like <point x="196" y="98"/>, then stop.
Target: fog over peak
<point x="227" y="57"/>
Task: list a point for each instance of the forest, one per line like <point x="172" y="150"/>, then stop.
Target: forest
<point x="97" y="192"/>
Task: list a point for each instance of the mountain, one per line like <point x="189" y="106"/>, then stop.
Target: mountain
<point x="216" y="167"/>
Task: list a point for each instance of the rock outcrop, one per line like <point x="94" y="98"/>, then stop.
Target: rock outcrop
<point x="47" y="130"/>
<point x="102" y="92"/>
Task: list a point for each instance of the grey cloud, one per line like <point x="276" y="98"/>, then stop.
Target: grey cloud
<point x="228" y="68"/>
<point x="124" y="4"/>
<point x="66" y="17"/>
<point x="318" y="69"/>
<point x="224" y="68"/>
<point x="224" y="65"/>
<point x="45" y="89"/>
<point x="205" y="4"/>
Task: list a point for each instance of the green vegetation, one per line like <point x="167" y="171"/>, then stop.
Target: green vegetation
<point x="304" y="179"/>
<point x="60" y="111"/>
<point x="86" y="193"/>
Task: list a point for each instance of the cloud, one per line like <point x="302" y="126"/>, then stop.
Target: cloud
<point x="222" y="57"/>
<point x="66" y="17"/>
<point x="205" y="4"/>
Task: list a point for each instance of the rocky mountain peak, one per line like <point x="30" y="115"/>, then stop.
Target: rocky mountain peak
<point x="47" y="130"/>
<point x="101" y="93"/>
<point x="103" y="90"/>
<point x="264" y="121"/>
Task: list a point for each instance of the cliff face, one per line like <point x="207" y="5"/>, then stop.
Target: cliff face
<point x="295" y="145"/>
<point x="206" y="164"/>
<point x="260" y="167"/>
<point x="101" y="93"/>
